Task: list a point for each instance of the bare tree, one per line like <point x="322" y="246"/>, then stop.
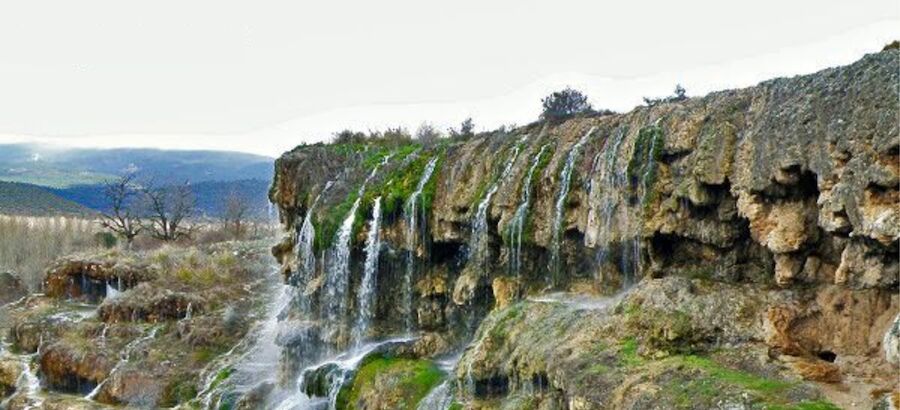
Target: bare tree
<point x="427" y="134"/>
<point x="168" y="210"/>
<point x="122" y="219"/>
<point x="237" y="209"/>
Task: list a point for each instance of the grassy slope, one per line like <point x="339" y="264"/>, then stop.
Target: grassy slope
<point x="26" y="199"/>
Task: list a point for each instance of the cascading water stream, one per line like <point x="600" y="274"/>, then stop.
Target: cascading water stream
<point x="306" y="257"/>
<point x="478" y="242"/>
<point x="559" y="210"/>
<point x="367" y="289"/>
<point x="413" y="239"/>
<point x="123" y="359"/>
<point x="342" y="366"/>
<point x="441" y="396"/>
<point x="517" y="224"/>
<point x="337" y="278"/>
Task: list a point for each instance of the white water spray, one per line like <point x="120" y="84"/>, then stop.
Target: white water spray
<point x="559" y="211"/>
<point x="367" y="289"/>
<point x="413" y="239"/>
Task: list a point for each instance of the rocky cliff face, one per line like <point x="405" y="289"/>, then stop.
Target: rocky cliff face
<point x="788" y="188"/>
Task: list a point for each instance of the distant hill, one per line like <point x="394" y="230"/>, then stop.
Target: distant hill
<point x="66" y="167"/>
<point x="77" y="176"/>
<point x="210" y="195"/>
<point x="26" y="199"/>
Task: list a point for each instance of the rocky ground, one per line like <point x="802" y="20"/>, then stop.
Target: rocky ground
<point x="131" y="329"/>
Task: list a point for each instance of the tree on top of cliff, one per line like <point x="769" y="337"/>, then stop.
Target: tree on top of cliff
<point x="427" y="134"/>
<point x="348" y="137"/>
<point x="466" y="129"/>
<point x="565" y="103"/>
<point x="680" y="94"/>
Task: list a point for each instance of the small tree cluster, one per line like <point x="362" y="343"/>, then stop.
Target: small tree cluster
<point x="427" y="134"/>
<point x="680" y="94"/>
<point x="565" y="103"/>
<point x="466" y="129"/>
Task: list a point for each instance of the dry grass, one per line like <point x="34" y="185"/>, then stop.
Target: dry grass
<point x="28" y="245"/>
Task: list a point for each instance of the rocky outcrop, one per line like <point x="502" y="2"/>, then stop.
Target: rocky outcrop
<point x="149" y="303"/>
<point x="89" y="278"/>
<point x="689" y="343"/>
<point x="786" y="192"/>
<point x="11" y="288"/>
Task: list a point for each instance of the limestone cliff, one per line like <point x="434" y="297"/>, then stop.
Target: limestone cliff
<point x="789" y="188"/>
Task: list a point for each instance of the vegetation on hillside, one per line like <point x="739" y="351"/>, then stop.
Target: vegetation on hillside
<point x="26" y="199"/>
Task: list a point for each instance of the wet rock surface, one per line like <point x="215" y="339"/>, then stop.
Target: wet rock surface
<point x="771" y="214"/>
<point x="146" y="345"/>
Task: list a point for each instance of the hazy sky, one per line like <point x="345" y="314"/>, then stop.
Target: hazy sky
<point x="265" y="76"/>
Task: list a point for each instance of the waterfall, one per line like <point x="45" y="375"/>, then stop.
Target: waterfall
<point x="614" y="180"/>
<point x="124" y="356"/>
<point x="339" y="368"/>
<point x="478" y="242"/>
<point x="366" y="294"/>
<point x="559" y="211"/>
<point x="306" y="256"/>
<point x="112" y="292"/>
<point x="439" y="398"/>
<point x="337" y="278"/>
<point x="517" y="224"/>
<point x="27" y="384"/>
<point x="413" y="234"/>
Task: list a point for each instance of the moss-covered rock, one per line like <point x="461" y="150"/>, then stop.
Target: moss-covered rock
<point x="388" y="382"/>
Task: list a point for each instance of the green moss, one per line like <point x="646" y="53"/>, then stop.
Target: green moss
<point x="327" y="227"/>
<point x="628" y="354"/>
<point x="456" y="406"/>
<point x="392" y="190"/>
<point x="667" y="331"/>
<point x="180" y="390"/>
<point x="221" y="376"/>
<point x="805" y="405"/>
<point x="711" y="381"/>
<point x="528" y="224"/>
<point x="409" y="381"/>
<point x="642" y="167"/>
<point x="738" y="378"/>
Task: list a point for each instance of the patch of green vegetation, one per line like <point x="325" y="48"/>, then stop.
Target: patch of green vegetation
<point x="205" y="354"/>
<point x="328" y="226"/>
<point x="735" y="377"/>
<point x="26" y="199"/>
<point x="805" y="405"/>
<point x="642" y="167"/>
<point x="221" y="376"/>
<point x="699" y="272"/>
<point x="628" y="353"/>
<point x="712" y="380"/>
<point x="509" y="315"/>
<point x="401" y="183"/>
<point x="456" y="406"/>
<point x="667" y="331"/>
<point x="179" y="390"/>
<point x="407" y="381"/>
<point x="373" y="156"/>
<point x="528" y="224"/>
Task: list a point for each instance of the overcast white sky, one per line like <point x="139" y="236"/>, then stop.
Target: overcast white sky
<point x="264" y="76"/>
